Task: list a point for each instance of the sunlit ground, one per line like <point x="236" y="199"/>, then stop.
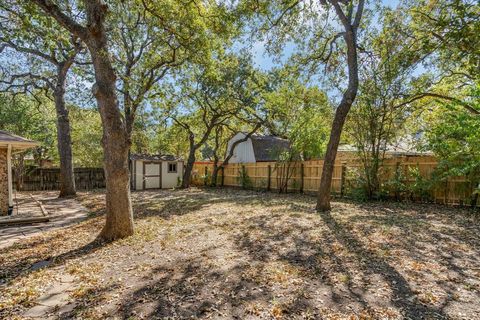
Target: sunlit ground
<point x="232" y="254"/>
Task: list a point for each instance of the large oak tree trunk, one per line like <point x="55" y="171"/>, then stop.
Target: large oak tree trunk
<point x="119" y="215"/>
<point x="64" y="139"/>
<point x="115" y="140"/>
<point x="323" y="201"/>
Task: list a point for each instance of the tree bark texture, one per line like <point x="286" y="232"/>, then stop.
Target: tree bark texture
<point x="115" y="140"/>
<point x="64" y="139"/>
<point x="119" y="213"/>
<point x="187" y="174"/>
<point x="323" y="200"/>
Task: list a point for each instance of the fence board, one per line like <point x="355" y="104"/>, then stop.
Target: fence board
<point x="38" y="179"/>
<point x="456" y="190"/>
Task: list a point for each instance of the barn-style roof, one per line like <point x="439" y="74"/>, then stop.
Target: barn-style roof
<point x="268" y="148"/>
<point x="154" y="157"/>
<point x="7" y="138"/>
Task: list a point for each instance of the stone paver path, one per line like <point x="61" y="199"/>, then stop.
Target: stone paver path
<point x="55" y="301"/>
<point x="62" y="213"/>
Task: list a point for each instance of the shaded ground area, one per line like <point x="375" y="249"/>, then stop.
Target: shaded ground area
<point x="231" y="254"/>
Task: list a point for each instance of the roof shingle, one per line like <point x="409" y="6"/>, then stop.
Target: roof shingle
<point x="10" y="138"/>
<point x="154" y="157"/>
<point x="268" y="148"/>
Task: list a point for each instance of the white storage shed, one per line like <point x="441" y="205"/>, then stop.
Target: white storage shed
<point x="155" y="171"/>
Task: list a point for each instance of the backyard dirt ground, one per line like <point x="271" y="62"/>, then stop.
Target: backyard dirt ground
<point x="233" y="254"/>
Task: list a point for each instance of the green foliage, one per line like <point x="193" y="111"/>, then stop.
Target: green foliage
<point x="153" y="41"/>
<point x="25" y="117"/>
<point x="449" y="30"/>
<point x="207" y="178"/>
<point x="35" y="121"/>
<point x="300" y="113"/>
<point x="453" y="135"/>
<point x="378" y="117"/>
<point x="86" y="137"/>
<point x="421" y="187"/>
<point x="244" y="180"/>
<point x="356" y="185"/>
<point x="397" y="185"/>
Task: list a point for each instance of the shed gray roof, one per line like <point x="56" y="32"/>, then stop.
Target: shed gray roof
<point x="10" y="138"/>
<point x="268" y="148"/>
<point x="154" y="157"/>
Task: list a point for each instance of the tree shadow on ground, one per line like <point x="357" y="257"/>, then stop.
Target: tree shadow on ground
<point x="274" y="257"/>
<point x="192" y="289"/>
<point x="403" y="296"/>
<point x="274" y="240"/>
<point x="34" y="261"/>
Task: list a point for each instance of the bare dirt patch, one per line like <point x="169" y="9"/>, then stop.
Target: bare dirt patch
<point x="232" y="254"/>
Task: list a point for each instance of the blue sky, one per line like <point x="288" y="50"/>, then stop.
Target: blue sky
<point x="266" y="62"/>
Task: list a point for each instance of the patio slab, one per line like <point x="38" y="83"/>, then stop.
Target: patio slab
<point x="61" y="213"/>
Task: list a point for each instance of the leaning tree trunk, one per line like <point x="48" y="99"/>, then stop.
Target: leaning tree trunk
<point x="323" y="201"/>
<point x="187" y="174"/>
<point x="115" y="141"/>
<point x="64" y="139"/>
<point x="216" y="169"/>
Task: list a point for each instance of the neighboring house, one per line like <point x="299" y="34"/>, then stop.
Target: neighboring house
<point x="9" y="145"/>
<point x="257" y="148"/>
<point x="406" y="147"/>
<point x="155" y="171"/>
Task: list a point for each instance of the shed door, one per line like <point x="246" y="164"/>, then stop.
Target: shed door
<point x="152" y="175"/>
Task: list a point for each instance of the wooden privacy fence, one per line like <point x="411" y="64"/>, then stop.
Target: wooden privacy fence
<point x="404" y="173"/>
<point x="37" y="179"/>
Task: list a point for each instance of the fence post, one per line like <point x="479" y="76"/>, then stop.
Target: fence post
<point x="243" y="174"/>
<point x="342" y="179"/>
<point x="397" y="179"/>
<point x="223" y="176"/>
<point x="206" y="173"/>
<point x="269" y="177"/>
<point x="301" y="177"/>
<point x="445" y="196"/>
<point x="41" y="179"/>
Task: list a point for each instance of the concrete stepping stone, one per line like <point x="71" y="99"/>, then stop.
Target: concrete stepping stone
<point x="54" y="301"/>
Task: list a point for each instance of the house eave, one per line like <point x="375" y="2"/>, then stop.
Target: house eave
<point x="19" y="145"/>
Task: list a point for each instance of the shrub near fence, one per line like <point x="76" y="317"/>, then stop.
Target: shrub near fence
<point x="37" y="179"/>
<point x="305" y="177"/>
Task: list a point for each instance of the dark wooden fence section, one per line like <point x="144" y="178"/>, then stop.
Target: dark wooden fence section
<point x="37" y="179"/>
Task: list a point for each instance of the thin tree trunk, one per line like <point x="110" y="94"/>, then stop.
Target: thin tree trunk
<point x="119" y="215"/>
<point x="216" y="169"/>
<point x="323" y="201"/>
<point x="19" y="172"/>
<point x="187" y="174"/>
<point x="64" y="139"/>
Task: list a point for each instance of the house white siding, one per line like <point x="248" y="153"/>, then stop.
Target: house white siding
<point x="243" y="152"/>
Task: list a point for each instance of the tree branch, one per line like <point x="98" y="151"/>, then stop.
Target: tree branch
<point x="67" y="22"/>
<point x="419" y="96"/>
<point x="38" y="53"/>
